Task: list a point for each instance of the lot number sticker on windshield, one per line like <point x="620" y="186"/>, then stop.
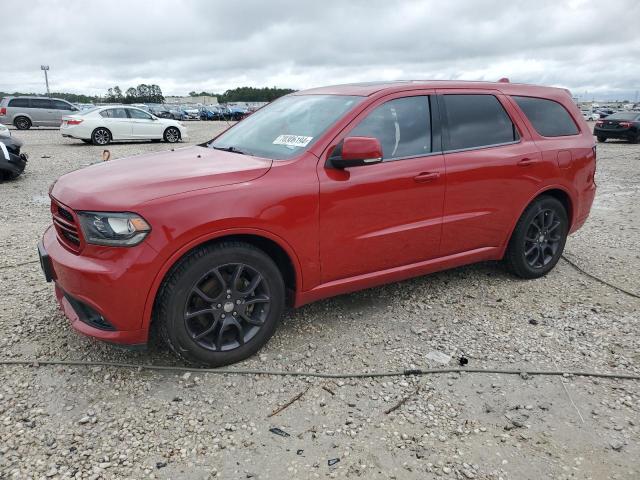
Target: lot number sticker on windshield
<point x="292" y="140"/>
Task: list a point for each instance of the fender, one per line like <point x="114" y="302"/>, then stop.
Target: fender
<point x="178" y="254"/>
<point x="546" y="188"/>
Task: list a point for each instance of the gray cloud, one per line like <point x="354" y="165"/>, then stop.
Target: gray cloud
<point x="205" y="45"/>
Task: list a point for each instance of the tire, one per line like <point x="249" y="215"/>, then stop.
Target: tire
<point x="534" y="251"/>
<point x="171" y="135"/>
<point x="201" y="282"/>
<point x="635" y="139"/>
<point x="101" y="136"/>
<point x="602" y="139"/>
<point x="22" y="123"/>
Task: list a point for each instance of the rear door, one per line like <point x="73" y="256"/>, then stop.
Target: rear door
<point x="143" y="125"/>
<point x="118" y="123"/>
<point x="384" y="215"/>
<point x="42" y="112"/>
<point x="493" y="169"/>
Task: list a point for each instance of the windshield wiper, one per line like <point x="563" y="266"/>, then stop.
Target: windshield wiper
<point x="230" y="149"/>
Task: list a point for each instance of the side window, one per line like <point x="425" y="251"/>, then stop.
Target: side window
<point x="549" y="118"/>
<point x="19" y="102"/>
<point x="138" y="114"/>
<point x="41" y="103"/>
<point x="403" y="127"/>
<point x="477" y="121"/>
<point x="60" y="105"/>
<point x="114" y="113"/>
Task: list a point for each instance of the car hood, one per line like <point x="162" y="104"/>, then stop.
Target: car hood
<point x="121" y="185"/>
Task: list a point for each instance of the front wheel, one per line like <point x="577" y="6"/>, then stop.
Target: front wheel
<point x="602" y="139"/>
<point x="538" y="239"/>
<point x="172" y="135"/>
<point x="220" y="304"/>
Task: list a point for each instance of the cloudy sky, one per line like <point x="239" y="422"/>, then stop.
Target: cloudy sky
<point x="591" y="47"/>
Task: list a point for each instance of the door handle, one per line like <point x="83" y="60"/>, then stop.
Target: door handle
<point x="525" y="162"/>
<point x="426" y="177"/>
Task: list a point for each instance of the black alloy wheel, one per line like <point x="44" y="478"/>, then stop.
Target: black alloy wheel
<point x="538" y="239"/>
<point x="220" y="303"/>
<point x="227" y="307"/>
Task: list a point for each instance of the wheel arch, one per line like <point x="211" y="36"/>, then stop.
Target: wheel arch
<point x="21" y="115"/>
<point x="276" y="248"/>
<point x="556" y="191"/>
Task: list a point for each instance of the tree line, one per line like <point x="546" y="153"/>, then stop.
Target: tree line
<point x="153" y="94"/>
<point x="247" y="94"/>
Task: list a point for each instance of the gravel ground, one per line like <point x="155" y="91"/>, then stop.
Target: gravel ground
<point x="64" y="422"/>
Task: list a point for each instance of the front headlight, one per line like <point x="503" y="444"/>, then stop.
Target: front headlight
<point x="113" y="229"/>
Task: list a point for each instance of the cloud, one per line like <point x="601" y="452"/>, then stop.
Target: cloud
<point x="204" y="45"/>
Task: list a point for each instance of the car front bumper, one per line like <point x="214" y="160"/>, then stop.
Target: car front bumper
<point x="103" y="296"/>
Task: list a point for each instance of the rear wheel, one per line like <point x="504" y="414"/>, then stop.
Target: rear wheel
<point x="635" y="139"/>
<point x="171" y="135"/>
<point x="22" y="123"/>
<point x="101" y="136"/>
<point x="538" y="239"/>
<point x="220" y="304"/>
<point x="602" y="139"/>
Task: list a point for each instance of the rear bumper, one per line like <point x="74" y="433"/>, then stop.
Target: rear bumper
<point x="102" y="296"/>
<point x="603" y="132"/>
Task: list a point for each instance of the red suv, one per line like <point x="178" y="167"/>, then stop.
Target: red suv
<point x="320" y="193"/>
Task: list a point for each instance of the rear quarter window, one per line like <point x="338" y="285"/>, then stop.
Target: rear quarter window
<point x="19" y="102"/>
<point x="549" y="118"/>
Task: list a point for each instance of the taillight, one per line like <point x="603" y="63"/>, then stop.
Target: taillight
<point x="3" y="110"/>
<point x="625" y="124"/>
<point x="73" y="122"/>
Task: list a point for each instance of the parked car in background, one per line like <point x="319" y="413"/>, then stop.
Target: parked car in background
<point x="27" y="112"/>
<point x="103" y="125"/>
<point x="210" y="113"/>
<point x="160" y="111"/>
<point x="604" y="113"/>
<point x="621" y="125"/>
<point x="4" y="131"/>
<point x="12" y="161"/>
<point x="192" y="113"/>
<point x="587" y="115"/>
<point x="320" y="193"/>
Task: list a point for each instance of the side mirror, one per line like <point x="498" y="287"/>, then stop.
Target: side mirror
<point x="356" y="152"/>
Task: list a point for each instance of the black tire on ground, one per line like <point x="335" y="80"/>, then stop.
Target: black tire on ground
<point x="101" y="136"/>
<point x="635" y="139"/>
<point x="22" y="123"/>
<point x="602" y="139"/>
<point x="538" y="239"/>
<point x="171" y="135"/>
<point x="204" y="326"/>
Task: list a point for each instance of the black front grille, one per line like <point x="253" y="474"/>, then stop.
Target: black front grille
<point x="66" y="226"/>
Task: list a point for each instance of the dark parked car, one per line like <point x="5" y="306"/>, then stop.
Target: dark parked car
<point x="161" y="112"/>
<point x="12" y="162"/>
<point x="623" y="125"/>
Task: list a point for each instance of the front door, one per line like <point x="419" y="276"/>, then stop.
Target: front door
<point x="389" y="214"/>
<point x="143" y="124"/>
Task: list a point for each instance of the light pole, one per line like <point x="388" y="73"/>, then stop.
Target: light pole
<point x="45" y="69"/>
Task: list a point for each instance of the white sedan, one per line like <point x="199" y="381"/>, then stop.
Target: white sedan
<point x="102" y="125"/>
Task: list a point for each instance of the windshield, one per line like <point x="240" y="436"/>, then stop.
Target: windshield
<point x="88" y="111"/>
<point x="623" y="116"/>
<point x="286" y="127"/>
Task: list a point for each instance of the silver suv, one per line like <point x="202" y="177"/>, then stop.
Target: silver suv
<point x="27" y="112"/>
